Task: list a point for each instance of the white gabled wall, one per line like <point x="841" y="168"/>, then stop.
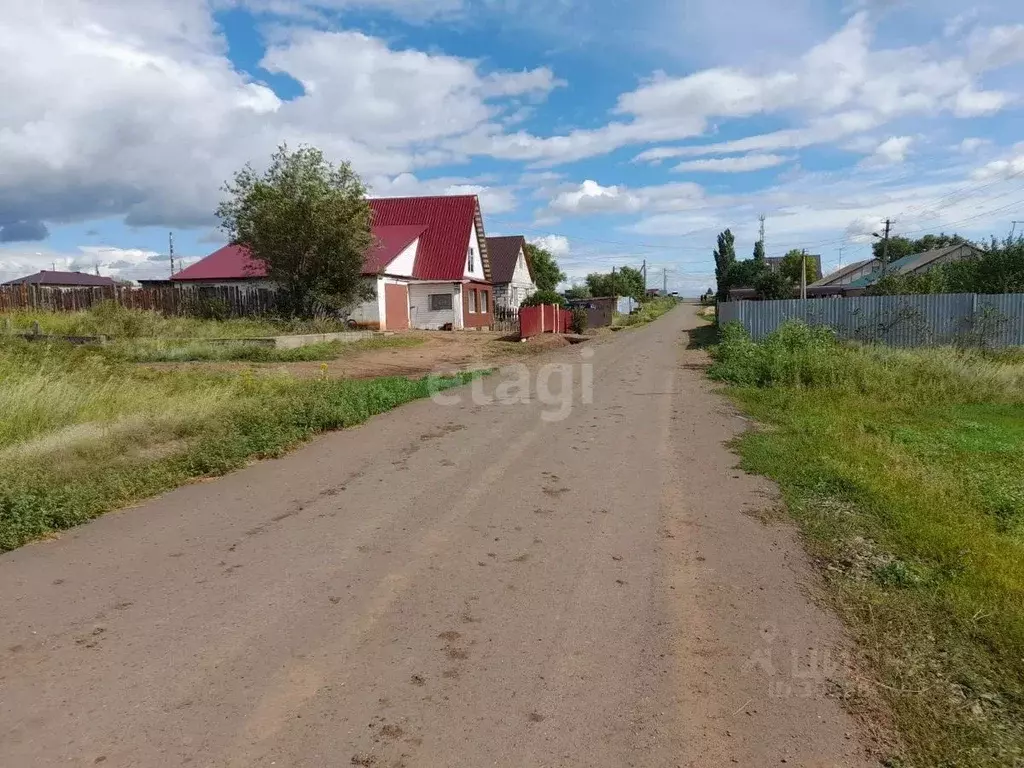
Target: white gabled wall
<point x="478" y="264"/>
<point x="403" y="263"/>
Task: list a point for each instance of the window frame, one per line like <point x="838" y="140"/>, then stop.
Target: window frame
<point x="471" y="301"/>
<point x="446" y="296"/>
<point x="471" y="260"/>
<point x="485" y="302"/>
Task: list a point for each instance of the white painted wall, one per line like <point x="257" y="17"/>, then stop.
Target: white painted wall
<point x="403" y="263"/>
<point x="420" y="314"/>
<point x="371" y="311"/>
<point x="478" y="265"/>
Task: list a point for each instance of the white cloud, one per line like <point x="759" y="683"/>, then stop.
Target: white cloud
<point x="971" y="145"/>
<point x="109" y="261"/>
<point x="133" y="110"/>
<point x="1001" y="169"/>
<point x="556" y="245"/>
<point x="892" y="151"/>
<point x="753" y="162"/>
<point x="591" y="197"/>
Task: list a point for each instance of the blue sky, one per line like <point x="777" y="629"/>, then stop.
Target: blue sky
<point x="610" y="131"/>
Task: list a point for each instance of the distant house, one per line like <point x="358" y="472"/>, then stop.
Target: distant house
<point x="428" y="267"/>
<point x="848" y="274"/>
<point x="511" y="271"/>
<point x="53" y="279"/>
<point x="915" y="264"/>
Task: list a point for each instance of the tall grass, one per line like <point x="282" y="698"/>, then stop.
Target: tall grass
<point x="905" y="469"/>
<point x="648" y="312"/>
<point x="82" y="433"/>
<point x="115" y="321"/>
<point x="171" y="351"/>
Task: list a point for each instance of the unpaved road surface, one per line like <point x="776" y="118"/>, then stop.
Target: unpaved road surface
<point x="450" y="585"/>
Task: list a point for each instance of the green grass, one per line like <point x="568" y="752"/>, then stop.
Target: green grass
<point x="109" y="319"/>
<point x="82" y="433"/>
<point x="905" y="470"/>
<point x="170" y="351"/>
<point x="648" y="312"/>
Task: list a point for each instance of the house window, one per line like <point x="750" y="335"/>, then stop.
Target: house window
<point x="471" y="259"/>
<point x="472" y="301"/>
<point x="440" y="302"/>
<point x="483" y="301"/>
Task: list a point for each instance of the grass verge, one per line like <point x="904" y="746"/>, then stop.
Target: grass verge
<point x="170" y="351"/>
<point x="905" y="470"/>
<point x="110" y="319"/>
<point x="648" y="312"/>
<point x="82" y="433"/>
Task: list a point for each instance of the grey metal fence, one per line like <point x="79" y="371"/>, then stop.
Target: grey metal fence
<point x="903" y="321"/>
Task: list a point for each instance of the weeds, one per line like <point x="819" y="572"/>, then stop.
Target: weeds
<point x="169" y="351"/>
<point x="648" y="312"/>
<point x="111" y="319"/>
<point x="82" y="433"/>
<point x="905" y="469"/>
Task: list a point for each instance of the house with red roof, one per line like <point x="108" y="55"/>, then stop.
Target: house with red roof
<point x="511" y="271"/>
<point x="428" y="267"/>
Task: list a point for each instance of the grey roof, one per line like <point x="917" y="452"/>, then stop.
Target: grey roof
<point x="75" y="279"/>
<point x="840" y="273"/>
<point x="913" y="263"/>
<point x="504" y="253"/>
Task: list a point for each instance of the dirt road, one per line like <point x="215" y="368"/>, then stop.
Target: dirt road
<point x="450" y="585"/>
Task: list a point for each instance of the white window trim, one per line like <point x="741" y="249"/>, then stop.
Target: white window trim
<point x="471" y="300"/>
<point x="471" y="260"/>
<point x="430" y="302"/>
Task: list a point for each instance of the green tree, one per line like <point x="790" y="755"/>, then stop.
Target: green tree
<point x="537" y="298"/>
<point x="308" y="221"/>
<point x="772" y="286"/>
<point x="791" y="265"/>
<point x="578" y="292"/>
<point x="631" y="283"/>
<point x="900" y="247"/>
<point x="725" y="257"/>
<point x="744" y="274"/>
<point x="759" y="252"/>
<point x="544" y="267"/>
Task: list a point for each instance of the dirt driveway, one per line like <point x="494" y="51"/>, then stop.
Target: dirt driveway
<point x="472" y="583"/>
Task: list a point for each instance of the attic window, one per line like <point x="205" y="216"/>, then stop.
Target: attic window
<point x="471" y="260"/>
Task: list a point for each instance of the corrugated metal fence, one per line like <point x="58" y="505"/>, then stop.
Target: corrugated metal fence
<point x="903" y="321"/>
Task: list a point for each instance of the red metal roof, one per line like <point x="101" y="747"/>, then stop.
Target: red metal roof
<point x="441" y="254"/>
<point x="232" y="262"/>
<point x="63" y="279"/>
<point x="443" y="225"/>
<point x="388" y="243"/>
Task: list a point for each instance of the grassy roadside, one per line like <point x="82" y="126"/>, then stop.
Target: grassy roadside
<point x="170" y="351"/>
<point x="83" y="433"/>
<point x="905" y="470"/>
<point x="649" y="312"/>
<point x="109" y="319"/>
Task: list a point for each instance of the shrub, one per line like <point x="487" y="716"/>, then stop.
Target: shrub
<point x="579" y="320"/>
<point x="795" y="355"/>
<point x="545" y="297"/>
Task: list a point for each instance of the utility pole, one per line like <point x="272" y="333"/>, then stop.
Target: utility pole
<point x="644" y="270"/>
<point x="170" y="242"/>
<point x="803" y="274"/>
<point x="664" y="282"/>
<point x="885" y="246"/>
<point x="841" y="249"/>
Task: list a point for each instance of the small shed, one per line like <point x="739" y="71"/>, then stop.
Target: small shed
<point x="600" y="310"/>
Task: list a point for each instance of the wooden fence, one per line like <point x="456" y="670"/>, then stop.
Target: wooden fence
<point x="506" y="319"/>
<point x="169" y="300"/>
<point x="546" y="318"/>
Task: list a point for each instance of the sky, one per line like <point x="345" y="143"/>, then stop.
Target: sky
<point x="613" y="132"/>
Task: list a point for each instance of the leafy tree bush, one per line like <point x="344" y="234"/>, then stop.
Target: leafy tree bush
<point x="725" y="257"/>
<point x="579" y="320"/>
<point x="545" y="297"/>
<point x="308" y="221"/>
<point x="544" y="268"/>
<point x="795" y="355"/>
<point x="772" y="286"/>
